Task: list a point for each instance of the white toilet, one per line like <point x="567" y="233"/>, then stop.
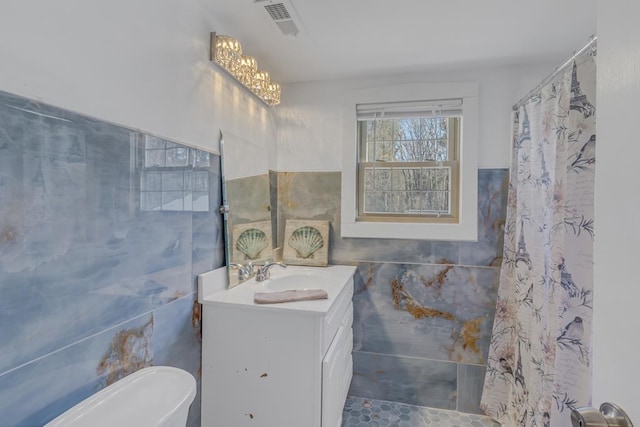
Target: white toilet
<point x="151" y="397"/>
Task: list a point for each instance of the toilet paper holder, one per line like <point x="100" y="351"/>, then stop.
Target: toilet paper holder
<point x="609" y="415"/>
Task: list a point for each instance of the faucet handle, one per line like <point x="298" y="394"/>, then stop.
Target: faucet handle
<point x="264" y="272"/>
<point x="244" y="271"/>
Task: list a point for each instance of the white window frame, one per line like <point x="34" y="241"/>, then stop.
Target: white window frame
<point x="466" y="229"/>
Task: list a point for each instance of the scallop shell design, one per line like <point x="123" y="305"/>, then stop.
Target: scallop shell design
<point x="251" y="243"/>
<point x="305" y="241"/>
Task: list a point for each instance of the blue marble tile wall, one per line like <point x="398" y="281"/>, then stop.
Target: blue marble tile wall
<point x="423" y="309"/>
<point x="103" y="231"/>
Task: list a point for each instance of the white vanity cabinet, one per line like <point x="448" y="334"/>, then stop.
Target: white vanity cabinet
<point x="277" y="365"/>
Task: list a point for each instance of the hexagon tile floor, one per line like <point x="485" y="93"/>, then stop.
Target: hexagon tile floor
<point x="359" y="411"/>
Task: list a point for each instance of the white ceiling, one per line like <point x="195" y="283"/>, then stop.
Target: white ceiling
<point x="351" y="38"/>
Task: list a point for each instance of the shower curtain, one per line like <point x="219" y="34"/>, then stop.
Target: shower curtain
<point x="539" y="361"/>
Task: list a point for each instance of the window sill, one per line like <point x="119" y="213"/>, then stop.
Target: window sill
<point x="414" y="231"/>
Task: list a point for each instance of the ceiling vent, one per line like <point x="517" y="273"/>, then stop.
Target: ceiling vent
<point x="283" y="14"/>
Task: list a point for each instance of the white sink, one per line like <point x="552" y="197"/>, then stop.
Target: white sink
<point x="296" y="281"/>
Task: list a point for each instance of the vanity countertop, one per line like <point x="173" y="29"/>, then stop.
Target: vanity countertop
<point x="334" y="279"/>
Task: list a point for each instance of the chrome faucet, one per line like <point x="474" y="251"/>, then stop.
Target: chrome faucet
<point x="264" y="272"/>
<point x="245" y="272"/>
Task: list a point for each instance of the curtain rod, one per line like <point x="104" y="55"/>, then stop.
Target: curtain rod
<point x="592" y="41"/>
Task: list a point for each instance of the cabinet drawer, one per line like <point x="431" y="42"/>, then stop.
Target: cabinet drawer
<point x="347" y="319"/>
<point x="336" y="317"/>
<point x="336" y="376"/>
<point x="348" y="375"/>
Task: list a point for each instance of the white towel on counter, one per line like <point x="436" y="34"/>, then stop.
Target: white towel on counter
<point x="289" y="296"/>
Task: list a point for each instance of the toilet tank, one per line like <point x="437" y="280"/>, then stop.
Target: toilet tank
<point x="151" y="397"/>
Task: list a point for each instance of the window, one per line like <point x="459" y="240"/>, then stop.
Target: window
<point x="410" y="168"/>
<point x="174" y="177"/>
<point x="408" y="161"/>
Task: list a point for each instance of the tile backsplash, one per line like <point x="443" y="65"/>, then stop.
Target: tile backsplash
<point x="423" y="309"/>
<point x="103" y="230"/>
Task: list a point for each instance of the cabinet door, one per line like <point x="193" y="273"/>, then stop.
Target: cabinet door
<point x="336" y="376"/>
